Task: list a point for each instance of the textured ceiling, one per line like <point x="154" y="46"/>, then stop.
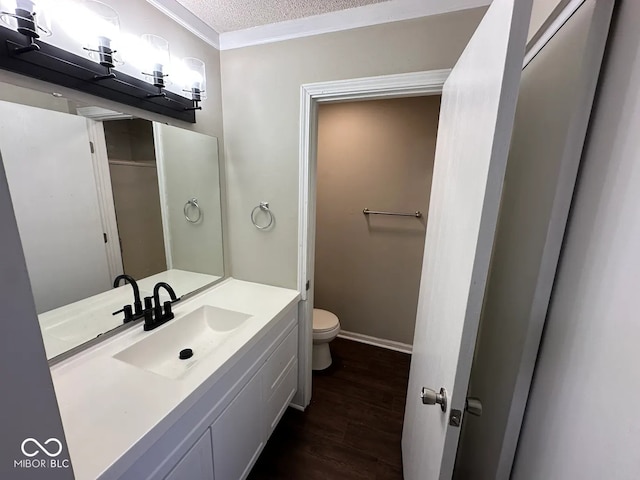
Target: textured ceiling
<point x="228" y="15"/>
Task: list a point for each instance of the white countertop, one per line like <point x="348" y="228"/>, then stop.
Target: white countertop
<point x="110" y="408"/>
<point x="71" y="325"/>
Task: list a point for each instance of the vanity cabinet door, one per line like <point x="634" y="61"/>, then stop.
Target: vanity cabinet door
<point x="197" y="464"/>
<point x="278" y="364"/>
<point x="238" y="433"/>
<point x="280" y="380"/>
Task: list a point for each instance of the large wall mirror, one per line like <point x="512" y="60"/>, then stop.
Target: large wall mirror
<point x="99" y="194"/>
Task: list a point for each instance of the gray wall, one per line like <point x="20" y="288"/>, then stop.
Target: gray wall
<point x="540" y="11"/>
<point x="29" y="407"/>
<point x="581" y="420"/>
<point x="261" y="87"/>
<point x="377" y="154"/>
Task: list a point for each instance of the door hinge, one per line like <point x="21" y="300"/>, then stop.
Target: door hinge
<point x="308" y="285"/>
<point x="104" y="235"/>
<point x="93" y="150"/>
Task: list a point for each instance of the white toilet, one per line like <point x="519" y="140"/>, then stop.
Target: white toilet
<point x="326" y="327"/>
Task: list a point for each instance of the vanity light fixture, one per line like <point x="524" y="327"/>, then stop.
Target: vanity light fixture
<point x="195" y="80"/>
<point x="27" y="17"/>
<point x="95" y="27"/>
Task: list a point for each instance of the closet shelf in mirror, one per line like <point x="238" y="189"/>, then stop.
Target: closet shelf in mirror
<point x="132" y="163"/>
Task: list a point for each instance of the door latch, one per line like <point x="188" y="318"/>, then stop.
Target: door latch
<point x="455" y="418"/>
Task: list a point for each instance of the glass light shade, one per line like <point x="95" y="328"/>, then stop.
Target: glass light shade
<point x="29" y="17"/>
<point x="95" y="25"/>
<point x="194" y="78"/>
<point x="157" y="56"/>
<point x="150" y="55"/>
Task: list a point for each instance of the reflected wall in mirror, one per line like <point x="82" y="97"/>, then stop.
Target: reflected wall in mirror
<point x="97" y="199"/>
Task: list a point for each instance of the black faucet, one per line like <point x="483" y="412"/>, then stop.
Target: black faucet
<point x="156" y="316"/>
<point x="136" y="312"/>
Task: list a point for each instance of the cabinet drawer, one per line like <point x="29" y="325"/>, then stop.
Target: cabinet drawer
<point x="197" y="464"/>
<point x="279" y="401"/>
<point x="278" y="363"/>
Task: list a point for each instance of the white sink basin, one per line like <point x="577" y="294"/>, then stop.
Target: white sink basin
<point x="202" y="331"/>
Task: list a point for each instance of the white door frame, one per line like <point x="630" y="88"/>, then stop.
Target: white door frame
<point x="105" y="196"/>
<point x="368" y="88"/>
<point x="162" y="185"/>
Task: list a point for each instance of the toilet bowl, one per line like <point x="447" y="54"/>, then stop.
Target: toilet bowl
<point x="326" y="327"/>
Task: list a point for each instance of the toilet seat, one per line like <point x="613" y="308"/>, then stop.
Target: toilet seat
<point x="324" y="321"/>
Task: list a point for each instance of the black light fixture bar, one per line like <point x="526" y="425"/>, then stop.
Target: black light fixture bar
<point x="58" y="66"/>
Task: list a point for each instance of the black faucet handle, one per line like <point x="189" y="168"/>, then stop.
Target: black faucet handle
<point x="168" y="314"/>
<point x="128" y="313"/>
<point x="148" y="303"/>
<point x="149" y="322"/>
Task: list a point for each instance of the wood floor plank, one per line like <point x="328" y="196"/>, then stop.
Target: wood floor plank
<point x="353" y="427"/>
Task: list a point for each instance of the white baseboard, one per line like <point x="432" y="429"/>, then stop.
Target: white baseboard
<point x="378" y="342"/>
<point x="295" y="406"/>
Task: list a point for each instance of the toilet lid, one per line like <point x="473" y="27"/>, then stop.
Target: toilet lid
<point x="324" y="321"/>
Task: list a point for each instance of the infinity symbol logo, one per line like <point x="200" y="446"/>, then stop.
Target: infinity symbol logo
<point x="41" y="447"/>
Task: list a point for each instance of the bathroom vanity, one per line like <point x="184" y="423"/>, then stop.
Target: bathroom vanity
<point x="122" y="198"/>
<point x="132" y="409"/>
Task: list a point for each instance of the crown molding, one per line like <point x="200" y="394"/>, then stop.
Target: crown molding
<point x="182" y="16"/>
<point x="365" y="16"/>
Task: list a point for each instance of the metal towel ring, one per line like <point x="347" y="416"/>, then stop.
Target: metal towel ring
<point x="192" y="203"/>
<point x="264" y="206"/>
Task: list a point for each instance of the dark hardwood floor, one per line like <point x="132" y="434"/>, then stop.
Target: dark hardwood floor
<point x="353" y="427"/>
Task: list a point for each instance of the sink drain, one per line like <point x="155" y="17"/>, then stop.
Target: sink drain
<point x="185" y="354"/>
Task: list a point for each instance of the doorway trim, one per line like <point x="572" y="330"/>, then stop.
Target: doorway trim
<point x="102" y="176"/>
<point x="368" y="88"/>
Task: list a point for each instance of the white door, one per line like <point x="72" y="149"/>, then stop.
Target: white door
<point x="47" y="158"/>
<point x="474" y="133"/>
